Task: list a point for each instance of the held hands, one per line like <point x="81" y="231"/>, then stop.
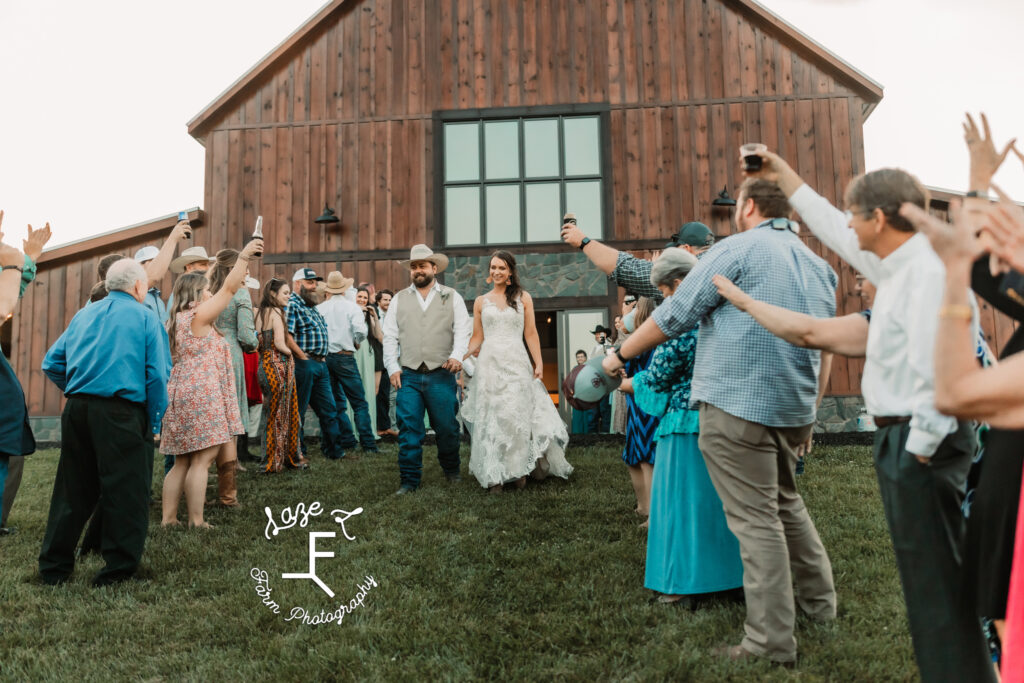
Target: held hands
<point x="251" y="250"/>
<point x="571" y="234"/>
<point x="452" y="365"/>
<point x="730" y="291"/>
<point x="396" y="380"/>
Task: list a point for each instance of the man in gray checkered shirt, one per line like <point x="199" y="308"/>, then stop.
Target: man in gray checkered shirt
<point x="756" y="395"/>
<point x="629" y="272"/>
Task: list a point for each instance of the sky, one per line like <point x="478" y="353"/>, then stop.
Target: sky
<point x="94" y="97"/>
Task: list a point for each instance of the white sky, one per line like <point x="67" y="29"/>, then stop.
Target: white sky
<point x="94" y="96"/>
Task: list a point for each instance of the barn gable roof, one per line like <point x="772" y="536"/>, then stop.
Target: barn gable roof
<point x="869" y="90"/>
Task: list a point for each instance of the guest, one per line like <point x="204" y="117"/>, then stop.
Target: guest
<point x="312" y="379"/>
<point x="618" y="399"/>
<point x="756" y="395"/>
<point x="280" y="416"/>
<point x="156" y="262"/>
<point x="601" y="414"/>
<point x="346" y="330"/>
<point x="17" y="270"/>
<point x="385" y="392"/>
<point x="690" y="551"/>
<point x="254" y="397"/>
<point x="629" y="272"/>
<point x="237" y="326"/>
<point x="426" y="334"/>
<point x="368" y="354"/>
<point x="921" y="455"/>
<point x="580" y="419"/>
<point x="111" y="363"/>
<point x="642" y="426"/>
<point x="204" y="412"/>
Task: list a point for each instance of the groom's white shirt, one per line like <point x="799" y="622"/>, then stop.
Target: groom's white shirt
<point x="463" y="326"/>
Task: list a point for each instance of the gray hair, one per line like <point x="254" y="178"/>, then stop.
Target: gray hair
<point x="672" y="265"/>
<point x="123" y="274"/>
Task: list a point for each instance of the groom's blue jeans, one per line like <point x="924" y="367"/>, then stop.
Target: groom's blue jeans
<point x="436" y="392"/>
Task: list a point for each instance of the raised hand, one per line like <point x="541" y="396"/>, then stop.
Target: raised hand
<point x="571" y="234"/>
<point x="37" y="239"/>
<point x="182" y="231"/>
<point x="955" y="243"/>
<point x="1005" y="225"/>
<point x="985" y="160"/>
<point x="252" y="250"/>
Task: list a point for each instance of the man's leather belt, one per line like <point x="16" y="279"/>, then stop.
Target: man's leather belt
<point x="345" y="353"/>
<point x="318" y="359"/>
<point x="887" y="420"/>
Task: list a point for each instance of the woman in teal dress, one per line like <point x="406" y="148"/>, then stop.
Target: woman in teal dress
<point x="690" y="550"/>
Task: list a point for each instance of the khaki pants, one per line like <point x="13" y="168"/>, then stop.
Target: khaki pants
<point x="752" y="467"/>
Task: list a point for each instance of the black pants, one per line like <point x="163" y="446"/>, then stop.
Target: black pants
<point x="106" y="464"/>
<point x="384" y="403"/>
<point x="922" y="507"/>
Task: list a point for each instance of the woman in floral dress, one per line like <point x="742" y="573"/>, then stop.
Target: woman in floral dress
<point x="202" y="402"/>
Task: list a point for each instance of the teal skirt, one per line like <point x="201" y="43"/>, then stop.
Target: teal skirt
<point x="690" y="550"/>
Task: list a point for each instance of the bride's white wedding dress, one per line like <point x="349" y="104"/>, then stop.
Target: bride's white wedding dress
<point x="515" y="426"/>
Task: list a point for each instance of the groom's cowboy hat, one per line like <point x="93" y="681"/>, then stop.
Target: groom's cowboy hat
<point x="190" y="255"/>
<point x="338" y="283"/>
<point x="421" y="252"/>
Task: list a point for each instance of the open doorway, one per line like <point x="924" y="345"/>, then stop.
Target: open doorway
<point x="547" y="330"/>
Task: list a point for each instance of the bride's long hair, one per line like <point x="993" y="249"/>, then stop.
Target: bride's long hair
<point x="512" y="289"/>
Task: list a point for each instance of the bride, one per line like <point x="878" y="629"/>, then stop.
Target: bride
<point x="516" y="429"/>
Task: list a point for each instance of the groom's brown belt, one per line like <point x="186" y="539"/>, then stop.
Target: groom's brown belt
<point x="887" y="420"/>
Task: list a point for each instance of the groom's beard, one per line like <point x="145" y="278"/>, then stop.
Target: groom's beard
<point x="422" y="280"/>
<point x="310" y="297"/>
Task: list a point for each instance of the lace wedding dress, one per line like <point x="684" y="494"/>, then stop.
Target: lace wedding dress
<point x="516" y="428"/>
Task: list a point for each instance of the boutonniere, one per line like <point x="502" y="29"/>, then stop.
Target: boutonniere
<point x="445" y="292"/>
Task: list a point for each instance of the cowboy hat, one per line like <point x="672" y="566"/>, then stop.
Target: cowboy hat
<point x="338" y="283"/>
<point x="601" y="328"/>
<point x="190" y="255"/>
<point x="421" y="252"/>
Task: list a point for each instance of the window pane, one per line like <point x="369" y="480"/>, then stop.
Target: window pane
<point x="502" y="214"/>
<point x="501" y="149"/>
<point x="462" y="215"/>
<point x="541" y="148"/>
<point x="461" y="151"/>
<point x="582" y="146"/>
<point x="584" y="199"/>
<point x="543" y="212"/>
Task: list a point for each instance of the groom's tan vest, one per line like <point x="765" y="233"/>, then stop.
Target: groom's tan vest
<point x="425" y="338"/>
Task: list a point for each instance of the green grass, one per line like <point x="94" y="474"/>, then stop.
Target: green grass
<point x="541" y="584"/>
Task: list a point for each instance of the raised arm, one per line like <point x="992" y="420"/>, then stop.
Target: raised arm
<point x="157" y="268"/>
<point x="847" y="335"/>
<point x="208" y="311"/>
<point x="531" y="336"/>
<point x="10" y="279"/>
<point x="601" y="255"/>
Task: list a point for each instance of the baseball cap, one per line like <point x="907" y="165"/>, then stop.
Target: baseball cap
<point x="694" y="234"/>
<point x="147" y="253"/>
<point x="305" y="274"/>
<point x="592" y="383"/>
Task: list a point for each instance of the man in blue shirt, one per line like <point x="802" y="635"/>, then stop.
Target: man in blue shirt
<point x="312" y="379"/>
<point x="112" y="365"/>
<point x="756" y="394"/>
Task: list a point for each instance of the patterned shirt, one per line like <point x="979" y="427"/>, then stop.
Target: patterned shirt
<point x="307" y="326"/>
<point x="634" y="275"/>
<point x="742" y="368"/>
<point x="663" y="389"/>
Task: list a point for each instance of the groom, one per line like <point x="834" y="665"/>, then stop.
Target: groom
<point x="426" y="333"/>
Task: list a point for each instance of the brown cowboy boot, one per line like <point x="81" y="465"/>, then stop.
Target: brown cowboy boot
<point x="227" y="494"/>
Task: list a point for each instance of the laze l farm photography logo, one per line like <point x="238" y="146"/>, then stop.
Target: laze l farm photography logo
<point x="322" y="547"/>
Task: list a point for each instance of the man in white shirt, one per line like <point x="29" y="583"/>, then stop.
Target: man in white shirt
<point x="921" y="456"/>
<point x="346" y="329"/>
<point x="385" y="392"/>
<point x="426" y="334"/>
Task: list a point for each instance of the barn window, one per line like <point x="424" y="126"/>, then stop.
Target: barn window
<point x="510" y="180"/>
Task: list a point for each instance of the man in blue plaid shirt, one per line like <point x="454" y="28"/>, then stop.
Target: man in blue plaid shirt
<point x="312" y="381"/>
<point x="756" y="395"/>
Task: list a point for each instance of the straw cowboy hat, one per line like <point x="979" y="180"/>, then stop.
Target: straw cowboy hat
<point x="190" y="255"/>
<point x="338" y="283"/>
<point x="421" y="252"/>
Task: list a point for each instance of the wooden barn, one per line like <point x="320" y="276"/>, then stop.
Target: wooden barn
<point x="475" y="124"/>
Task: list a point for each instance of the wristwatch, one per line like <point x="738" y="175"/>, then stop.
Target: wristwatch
<point x="20" y="269"/>
<point x="618" y="354"/>
<point x="585" y="242"/>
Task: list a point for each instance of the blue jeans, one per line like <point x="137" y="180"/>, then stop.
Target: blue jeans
<point x="599" y="418"/>
<point x="436" y="392"/>
<point x="346" y="382"/>
<point x="313" y="386"/>
<point x="4" y="459"/>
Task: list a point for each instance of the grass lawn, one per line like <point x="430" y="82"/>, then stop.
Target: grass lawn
<point x="541" y="584"/>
